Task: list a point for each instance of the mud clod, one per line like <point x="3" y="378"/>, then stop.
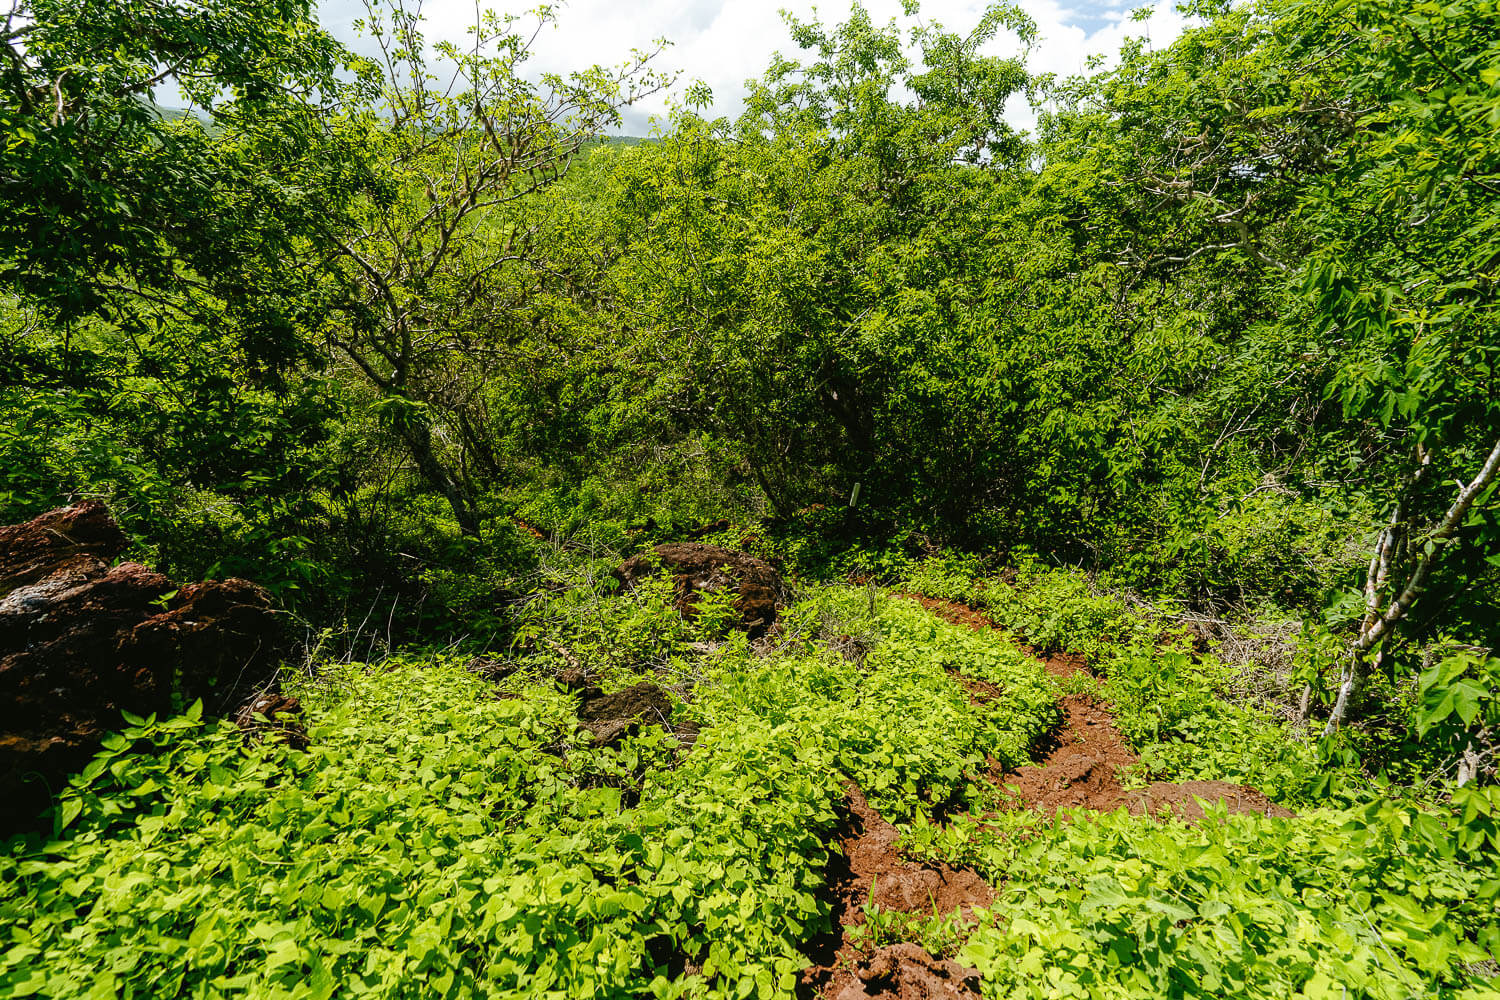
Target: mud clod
<point x="613" y="717"/>
<point x="698" y="569"/>
<point x="490" y="668"/>
<point x="868" y="867"/>
<point x="906" y="972"/>
<point x="273" y="715"/>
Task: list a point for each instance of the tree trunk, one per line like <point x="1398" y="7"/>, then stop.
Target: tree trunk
<point x="1470" y="760"/>
<point x="1304" y="704"/>
<point x="418" y="437"/>
<point x="1392" y="549"/>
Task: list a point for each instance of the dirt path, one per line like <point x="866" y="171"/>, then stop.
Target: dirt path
<point x="1085" y="756"/>
<point x="869" y="869"/>
<point x="1085" y="753"/>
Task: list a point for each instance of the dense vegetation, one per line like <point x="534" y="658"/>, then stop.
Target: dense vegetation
<point x="513" y="858"/>
<point x="403" y="340"/>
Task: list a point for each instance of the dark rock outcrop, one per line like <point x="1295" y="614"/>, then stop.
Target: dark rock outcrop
<point x="614" y="716"/>
<point x="81" y="641"/>
<point x="697" y="568"/>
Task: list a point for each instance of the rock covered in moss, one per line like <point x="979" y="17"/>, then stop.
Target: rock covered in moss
<point x="697" y="569"/>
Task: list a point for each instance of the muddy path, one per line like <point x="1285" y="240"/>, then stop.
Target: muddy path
<point x="868" y="868"/>
<point x="1086" y="756"/>
<point x="1083" y="761"/>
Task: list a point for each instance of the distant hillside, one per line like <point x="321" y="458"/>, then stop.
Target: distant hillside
<point x="173" y="114"/>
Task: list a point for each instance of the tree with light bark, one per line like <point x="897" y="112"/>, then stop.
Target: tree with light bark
<point x="461" y="145"/>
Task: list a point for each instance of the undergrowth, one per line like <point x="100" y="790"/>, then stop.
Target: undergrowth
<point x="1170" y="702"/>
<point x="1383" y="901"/>
<point x="443" y="831"/>
<point x="453" y="830"/>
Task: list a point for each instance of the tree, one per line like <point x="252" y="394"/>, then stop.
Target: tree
<point x="797" y="277"/>
<point x="155" y="341"/>
<point x="1338" y="153"/>
<point x="458" y="162"/>
<point x="1417" y="193"/>
<point x="101" y="190"/>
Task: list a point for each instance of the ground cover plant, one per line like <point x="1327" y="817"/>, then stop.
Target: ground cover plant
<point x="1382" y="902"/>
<point x="1187" y="396"/>
<point x="1394" y="896"/>
<point x="439" y="829"/>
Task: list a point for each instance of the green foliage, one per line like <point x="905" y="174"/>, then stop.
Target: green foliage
<point x="434" y="831"/>
<point x="949" y="576"/>
<point x="103" y="194"/>
<point x="634" y="631"/>
<point x="438" y="834"/>
<point x="1456" y="713"/>
<point x="1386" y="902"/>
<point x="1209" y="367"/>
<point x="1228" y="315"/>
<point x="1459" y="691"/>
<point x="1171" y="706"/>
<point x="899" y="726"/>
<point x="939" y="934"/>
<point x="1057" y="610"/>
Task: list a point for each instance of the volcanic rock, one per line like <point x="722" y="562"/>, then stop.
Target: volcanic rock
<point x="612" y="717"/>
<point x="698" y="569"/>
<point x="81" y="641"/>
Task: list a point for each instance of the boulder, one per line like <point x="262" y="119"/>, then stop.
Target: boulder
<point x="39" y="548"/>
<point x="612" y="717"/>
<point x="82" y="641"/>
<point x="697" y="568"/>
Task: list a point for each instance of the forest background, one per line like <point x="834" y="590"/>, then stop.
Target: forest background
<point x="1222" y="332"/>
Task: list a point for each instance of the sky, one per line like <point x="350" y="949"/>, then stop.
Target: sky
<point x="725" y="42"/>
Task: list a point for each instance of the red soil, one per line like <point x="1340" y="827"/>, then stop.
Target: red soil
<point x="1081" y="771"/>
<point x="871" y="869"/>
<point x="958" y="614"/>
<point x="906" y="972"/>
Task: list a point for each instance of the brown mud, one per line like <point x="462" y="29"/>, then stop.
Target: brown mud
<point x="614" y="716"/>
<point x="868" y="868"/>
<point x="1084" y="757"/>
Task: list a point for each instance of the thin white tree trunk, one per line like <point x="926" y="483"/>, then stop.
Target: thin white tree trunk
<point x="1470" y="760"/>
<point x="1379" y="623"/>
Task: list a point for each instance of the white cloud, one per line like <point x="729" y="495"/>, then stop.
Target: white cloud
<point x="724" y="42"/>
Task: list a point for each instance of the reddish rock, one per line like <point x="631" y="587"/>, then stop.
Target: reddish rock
<point x="905" y="972"/>
<point x="698" y="569"/>
<point x="39" y="548"/>
<point x="81" y="641"/>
